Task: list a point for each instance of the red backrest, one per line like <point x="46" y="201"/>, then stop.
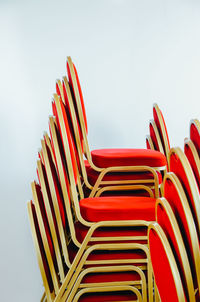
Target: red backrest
<point x="191" y="158"/>
<point x="49" y="199"/>
<point x="56" y="142"/>
<point x="195" y="135"/>
<point x="56" y="185"/>
<point x="177" y="199"/>
<point x="72" y="84"/>
<point x="153" y="137"/>
<point x="180" y="166"/>
<point x="65" y="133"/>
<point x="167" y="220"/>
<point x="41" y="247"/>
<point x="165" y="270"/>
<point x="158" y="118"/>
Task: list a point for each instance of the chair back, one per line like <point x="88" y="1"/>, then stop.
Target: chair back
<point x="176" y="197"/>
<point x="166" y="272"/>
<point x="51" y="285"/>
<point x="154" y="134"/>
<point x="180" y="165"/>
<point x="162" y="129"/>
<point x="59" y="206"/>
<point x="195" y="133"/>
<point x="193" y="158"/>
<point x="167" y="220"/>
<point x="77" y="92"/>
<point x="149" y="142"/>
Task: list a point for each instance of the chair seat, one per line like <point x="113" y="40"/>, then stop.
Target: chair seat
<point x="102" y="297"/>
<point x="93" y="175"/>
<point x="118" y="208"/>
<point x="104" y="158"/>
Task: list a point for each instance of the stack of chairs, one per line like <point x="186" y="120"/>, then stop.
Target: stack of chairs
<point x="112" y="224"/>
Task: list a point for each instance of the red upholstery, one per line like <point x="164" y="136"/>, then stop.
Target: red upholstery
<point x="177" y="167"/>
<point x="162" y="269"/>
<point x="190" y="157"/>
<point x="104" y="158"/>
<point x="71" y="142"/>
<point x="42" y="251"/>
<point x="45" y="220"/>
<point x="57" y="186"/>
<point x="80" y="92"/>
<point x="107" y="277"/>
<point x="112" y="296"/>
<point x="165" y="222"/>
<point x="153" y="137"/>
<point x="172" y="195"/>
<point x="93" y="175"/>
<point x="118" y="208"/>
<point x="195" y="137"/>
<point x="158" y="124"/>
<point x="63" y="163"/>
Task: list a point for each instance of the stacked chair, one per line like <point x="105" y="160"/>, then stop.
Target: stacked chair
<point x="112" y="224"/>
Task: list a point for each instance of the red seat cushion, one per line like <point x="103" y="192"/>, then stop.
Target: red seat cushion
<point x="118" y="208"/>
<point x="104" y="158"/>
<point x="111" y="296"/>
<point x="93" y="175"/>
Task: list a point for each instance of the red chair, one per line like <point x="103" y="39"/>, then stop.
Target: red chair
<point x="166" y="272"/>
<point x="99" y="159"/>
<point x="114" y="175"/>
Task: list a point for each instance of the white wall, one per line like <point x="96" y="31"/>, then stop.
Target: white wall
<point x="129" y="54"/>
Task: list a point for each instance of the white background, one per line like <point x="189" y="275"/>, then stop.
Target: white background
<point x="129" y="54"/>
